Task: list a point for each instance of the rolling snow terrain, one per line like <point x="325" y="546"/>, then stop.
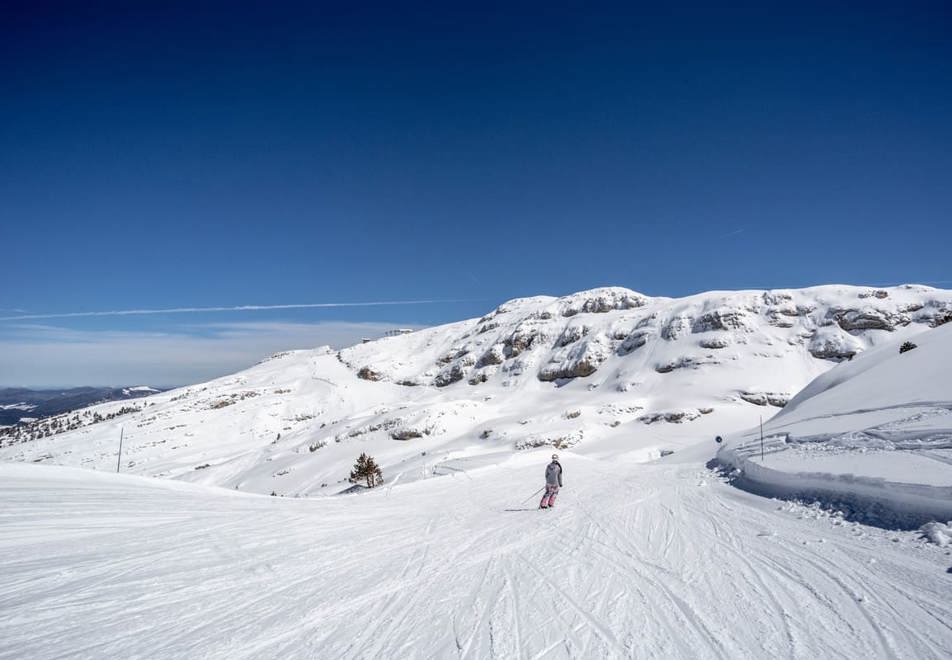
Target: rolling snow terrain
<point x="607" y="373"/>
<point x="646" y="554"/>
<point x="654" y="560"/>
<point x="873" y="436"/>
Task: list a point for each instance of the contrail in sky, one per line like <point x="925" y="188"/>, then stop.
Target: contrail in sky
<point x="733" y="233"/>
<point x="239" y="308"/>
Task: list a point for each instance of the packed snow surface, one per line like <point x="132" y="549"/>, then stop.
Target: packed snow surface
<point x="636" y="560"/>
<point x="873" y="434"/>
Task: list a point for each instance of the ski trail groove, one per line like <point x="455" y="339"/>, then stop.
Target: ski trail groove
<point x="652" y="561"/>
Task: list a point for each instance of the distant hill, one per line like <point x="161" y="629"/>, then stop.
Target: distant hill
<point x="606" y="372"/>
<point x="18" y="403"/>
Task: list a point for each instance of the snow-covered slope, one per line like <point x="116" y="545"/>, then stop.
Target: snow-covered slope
<point x="873" y="434"/>
<point x="636" y="561"/>
<point x="607" y="372"/>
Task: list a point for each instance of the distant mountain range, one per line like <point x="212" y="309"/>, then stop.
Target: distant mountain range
<point x="19" y="403"/>
<point x="606" y="372"/>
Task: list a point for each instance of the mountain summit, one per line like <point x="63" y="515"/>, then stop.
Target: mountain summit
<point x="608" y="371"/>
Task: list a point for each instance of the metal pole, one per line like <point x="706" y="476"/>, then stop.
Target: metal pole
<point x="119" y="460"/>
<point x="533" y="495"/>
<point x="761" y="438"/>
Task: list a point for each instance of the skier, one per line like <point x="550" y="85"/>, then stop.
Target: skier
<point x="553" y="481"/>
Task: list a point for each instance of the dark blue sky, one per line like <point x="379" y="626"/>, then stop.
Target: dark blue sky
<point x="167" y="157"/>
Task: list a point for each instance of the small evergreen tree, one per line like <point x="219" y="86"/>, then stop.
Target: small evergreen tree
<point x="906" y="346"/>
<point x="367" y="470"/>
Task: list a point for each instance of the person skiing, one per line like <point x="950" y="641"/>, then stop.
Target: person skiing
<point x="553" y="481"/>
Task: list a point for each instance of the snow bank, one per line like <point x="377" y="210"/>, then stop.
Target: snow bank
<point x="938" y="533"/>
<point x="872" y="436"/>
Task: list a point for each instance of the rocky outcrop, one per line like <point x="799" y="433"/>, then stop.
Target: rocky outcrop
<point x="941" y="319"/>
<point x="523" y="338"/>
<point x="450" y="374"/>
<point x="582" y="359"/>
<point x="778" y="400"/>
<point x="935" y="313"/>
<point x="406" y="434"/>
<point x="563" y="441"/>
<point x="831" y="343"/>
<point x="868" y="319"/>
<point x="671" y="416"/>
<point x="366" y="373"/>
<point x="721" y="319"/>
<point x="382" y="425"/>
<point x="486" y="327"/>
<point x="571" y="334"/>
<point x="676" y="328"/>
<point x="494" y="355"/>
<point x="774" y="298"/>
<point x="879" y="293"/>
<point x="782" y="316"/>
<point x="577" y="369"/>
<point x="453" y="354"/>
<point x="555" y="339"/>
<point x="684" y="362"/>
<point x="601" y="301"/>
<point x="714" y="342"/>
<point x="632" y="342"/>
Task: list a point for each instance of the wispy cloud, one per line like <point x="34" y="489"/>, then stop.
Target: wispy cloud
<point x="732" y="233"/>
<point x="236" y="308"/>
<point x="45" y="355"/>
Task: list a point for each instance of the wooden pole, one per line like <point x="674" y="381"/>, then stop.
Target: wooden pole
<point x="119" y="460"/>
<point x="761" y="438"/>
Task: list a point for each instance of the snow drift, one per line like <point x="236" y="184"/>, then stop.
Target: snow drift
<point x="873" y="436"/>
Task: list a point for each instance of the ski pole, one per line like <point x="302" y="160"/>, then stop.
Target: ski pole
<point x="533" y="495"/>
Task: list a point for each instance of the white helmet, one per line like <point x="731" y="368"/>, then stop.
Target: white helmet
<point x="555" y="457"/>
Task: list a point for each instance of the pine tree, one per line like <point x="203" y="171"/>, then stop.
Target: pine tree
<point x="906" y="346"/>
<point x="366" y="469"/>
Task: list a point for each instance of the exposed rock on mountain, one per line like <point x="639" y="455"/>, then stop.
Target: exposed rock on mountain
<point x="638" y="374"/>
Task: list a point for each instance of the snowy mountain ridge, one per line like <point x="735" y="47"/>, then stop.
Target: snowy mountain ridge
<point x="585" y="330"/>
<point x="607" y="372"/>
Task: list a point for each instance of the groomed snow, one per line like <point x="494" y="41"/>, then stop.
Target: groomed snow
<point x="637" y="560"/>
<point x="873" y="434"/>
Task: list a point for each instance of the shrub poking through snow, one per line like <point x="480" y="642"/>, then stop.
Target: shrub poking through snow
<point x="366" y="470"/>
<point x="906" y="346"/>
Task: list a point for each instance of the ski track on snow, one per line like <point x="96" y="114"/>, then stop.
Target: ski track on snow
<point x="664" y="561"/>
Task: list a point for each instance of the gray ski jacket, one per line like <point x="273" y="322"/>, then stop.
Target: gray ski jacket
<point x="553" y="474"/>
